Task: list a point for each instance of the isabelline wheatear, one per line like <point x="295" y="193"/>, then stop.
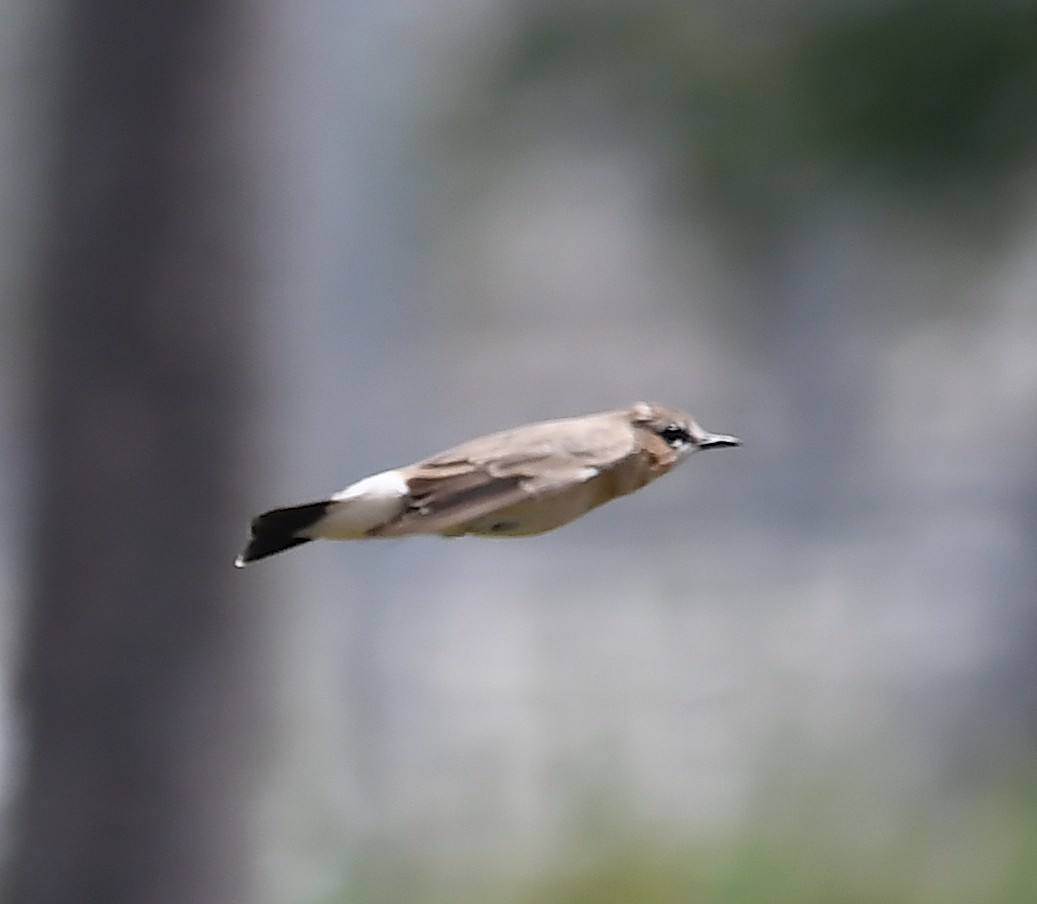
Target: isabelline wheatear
<point x="511" y="484"/>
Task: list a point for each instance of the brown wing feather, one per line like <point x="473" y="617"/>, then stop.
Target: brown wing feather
<point x="439" y="503"/>
<point x="494" y="472"/>
<point x="554" y="450"/>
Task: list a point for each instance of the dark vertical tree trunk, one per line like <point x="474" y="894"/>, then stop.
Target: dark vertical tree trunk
<point x="136" y="688"/>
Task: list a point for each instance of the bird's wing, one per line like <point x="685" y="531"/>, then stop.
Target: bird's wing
<point x="598" y="440"/>
<point x="495" y="472"/>
<point x="439" y="502"/>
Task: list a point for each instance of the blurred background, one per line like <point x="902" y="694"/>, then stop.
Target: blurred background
<point x="252" y="252"/>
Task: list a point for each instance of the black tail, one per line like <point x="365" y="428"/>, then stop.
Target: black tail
<point x="277" y="530"/>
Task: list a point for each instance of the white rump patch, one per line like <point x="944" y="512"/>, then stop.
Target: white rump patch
<point x="362" y="506"/>
<point x="386" y="485"/>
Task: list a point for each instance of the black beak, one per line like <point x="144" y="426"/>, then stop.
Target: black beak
<point x="716" y="441"/>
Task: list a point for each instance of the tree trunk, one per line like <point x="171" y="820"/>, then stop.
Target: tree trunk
<point x="138" y="673"/>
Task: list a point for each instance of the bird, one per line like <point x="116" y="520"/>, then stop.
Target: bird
<point x="516" y="483"/>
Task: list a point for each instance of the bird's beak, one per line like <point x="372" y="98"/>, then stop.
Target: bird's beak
<point x="716" y="441"/>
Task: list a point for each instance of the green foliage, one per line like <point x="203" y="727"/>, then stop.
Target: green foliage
<point x="925" y="89"/>
<point x="826" y="846"/>
<point x="760" y="108"/>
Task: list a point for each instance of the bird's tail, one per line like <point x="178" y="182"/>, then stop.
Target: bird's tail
<point x="279" y="529"/>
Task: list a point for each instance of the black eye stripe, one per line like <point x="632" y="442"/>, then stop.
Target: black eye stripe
<point x="675" y="435"/>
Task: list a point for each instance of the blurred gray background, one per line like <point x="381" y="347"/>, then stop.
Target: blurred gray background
<point x="803" y="670"/>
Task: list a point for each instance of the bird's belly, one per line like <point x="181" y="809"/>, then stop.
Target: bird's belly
<point x="537" y="513"/>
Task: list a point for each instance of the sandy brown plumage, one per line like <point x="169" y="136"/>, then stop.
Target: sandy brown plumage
<point x="518" y="482"/>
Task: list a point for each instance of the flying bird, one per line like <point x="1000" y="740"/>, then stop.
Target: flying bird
<point x="515" y="483"/>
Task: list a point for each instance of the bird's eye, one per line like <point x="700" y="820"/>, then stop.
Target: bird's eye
<point x="675" y="435"/>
